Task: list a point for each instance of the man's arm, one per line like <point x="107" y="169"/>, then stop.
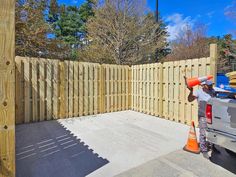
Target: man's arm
<point x="191" y="97"/>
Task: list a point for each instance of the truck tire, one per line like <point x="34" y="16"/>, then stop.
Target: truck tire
<point x="230" y="152"/>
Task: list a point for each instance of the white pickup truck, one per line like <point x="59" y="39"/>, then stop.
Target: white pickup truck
<point x="221" y="123"/>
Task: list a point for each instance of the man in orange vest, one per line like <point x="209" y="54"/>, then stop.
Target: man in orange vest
<point x="202" y="96"/>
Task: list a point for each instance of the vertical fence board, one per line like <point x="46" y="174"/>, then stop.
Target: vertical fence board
<point x="155" y="89"/>
<point x="182" y="93"/>
<point x="19" y="91"/>
<point x="107" y="89"/>
<point x="176" y="91"/>
<point x="161" y="86"/>
<point x="115" y="81"/>
<point x="91" y="81"/>
<point x="102" y="88"/>
<point x="81" y="90"/>
<point x="41" y="90"/>
<point x="112" y="94"/>
<point x="70" y="88"/>
<point x="27" y="91"/>
<point x="147" y="87"/>
<point x="66" y="88"/>
<point x="171" y="90"/>
<point x="95" y="89"/>
<point x="49" y="89"/>
<point x="118" y="88"/>
<point x="55" y="86"/>
<point x="76" y="89"/>
<point x="34" y="90"/>
<point x="63" y="97"/>
<point x="86" y="87"/>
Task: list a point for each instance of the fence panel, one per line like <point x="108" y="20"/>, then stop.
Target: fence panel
<point x="159" y="89"/>
<point x="50" y="89"/>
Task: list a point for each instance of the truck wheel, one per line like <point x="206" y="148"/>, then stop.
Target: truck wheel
<point x="230" y="152"/>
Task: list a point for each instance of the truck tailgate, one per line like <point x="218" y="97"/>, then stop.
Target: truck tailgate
<point x="223" y="115"/>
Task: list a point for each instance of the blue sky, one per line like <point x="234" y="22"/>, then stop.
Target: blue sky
<point x="178" y="13"/>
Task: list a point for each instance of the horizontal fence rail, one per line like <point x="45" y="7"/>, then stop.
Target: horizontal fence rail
<point x="49" y="89"/>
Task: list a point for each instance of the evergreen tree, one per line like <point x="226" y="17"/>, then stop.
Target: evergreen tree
<point x="68" y="28"/>
<point x="86" y="11"/>
<point x="54" y="13"/>
<point x="69" y="23"/>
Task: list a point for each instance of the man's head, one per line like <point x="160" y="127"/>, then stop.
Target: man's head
<point x="207" y="85"/>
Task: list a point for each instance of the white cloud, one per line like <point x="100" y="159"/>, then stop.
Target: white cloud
<point x="210" y="14"/>
<point x="177" y="23"/>
<point x="75" y="1"/>
<point x="230" y="9"/>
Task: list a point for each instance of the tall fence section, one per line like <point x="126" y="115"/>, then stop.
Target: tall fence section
<point x="50" y="89"/>
<point x="160" y="90"/>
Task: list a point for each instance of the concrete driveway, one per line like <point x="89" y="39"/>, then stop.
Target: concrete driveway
<point x="137" y="144"/>
<point x="126" y="144"/>
<point x="183" y="164"/>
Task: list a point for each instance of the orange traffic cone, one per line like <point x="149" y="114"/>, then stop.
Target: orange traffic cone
<point x="197" y="80"/>
<point x="192" y="144"/>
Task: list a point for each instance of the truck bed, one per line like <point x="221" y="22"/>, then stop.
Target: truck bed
<point x="222" y="131"/>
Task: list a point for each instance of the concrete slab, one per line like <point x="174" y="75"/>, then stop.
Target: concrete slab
<point x="185" y="164"/>
<point x="127" y="139"/>
<point x="124" y="143"/>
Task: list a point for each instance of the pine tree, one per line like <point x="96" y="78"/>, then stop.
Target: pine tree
<point x="86" y="11"/>
<point x="68" y="28"/>
<point x="54" y="13"/>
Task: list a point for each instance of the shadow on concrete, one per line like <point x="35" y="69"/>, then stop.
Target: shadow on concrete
<point x="46" y="149"/>
<point x="224" y="160"/>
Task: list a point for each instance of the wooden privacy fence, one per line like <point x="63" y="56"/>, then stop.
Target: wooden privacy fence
<point x="159" y="89"/>
<point x="49" y="89"/>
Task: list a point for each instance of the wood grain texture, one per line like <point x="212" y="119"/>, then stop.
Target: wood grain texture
<point x="7" y="88"/>
<point x="55" y="82"/>
<point x="81" y="90"/>
<point x="49" y="89"/>
<point x="19" y="90"/>
<point x="76" y="90"/>
<point x="42" y="106"/>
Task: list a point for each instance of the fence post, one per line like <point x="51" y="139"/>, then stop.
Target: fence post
<point x="161" y="90"/>
<point x="7" y="88"/>
<point x="213" y="56"/>
<point x="102" y="89"/>
<point x="62" y="89"/>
